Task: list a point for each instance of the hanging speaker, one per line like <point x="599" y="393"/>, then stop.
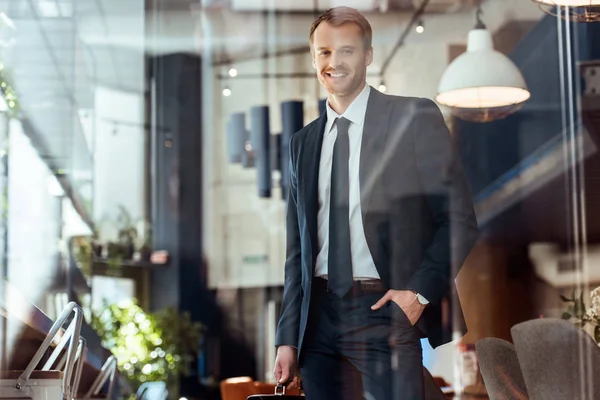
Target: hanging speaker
<point x="260" y="139"/>
<point x="248" y="155"/>
<point x="237" y="137"/>
<point x="233" y="154"/>
<point x="276" y="152"/>
<point x="292" y="116"/>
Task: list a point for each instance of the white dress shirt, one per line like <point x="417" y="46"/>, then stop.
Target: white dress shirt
<point x="363" y="266"/>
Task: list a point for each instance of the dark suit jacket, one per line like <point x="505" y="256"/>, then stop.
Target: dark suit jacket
<point x="416" y="206"/>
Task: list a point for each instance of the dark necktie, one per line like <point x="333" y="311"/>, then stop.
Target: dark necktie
<point x="339" y="269"/>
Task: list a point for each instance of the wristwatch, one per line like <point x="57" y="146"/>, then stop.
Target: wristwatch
<point x="422" y="300"/>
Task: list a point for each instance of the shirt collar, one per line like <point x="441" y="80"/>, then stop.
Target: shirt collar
<point x="355" y="113"/>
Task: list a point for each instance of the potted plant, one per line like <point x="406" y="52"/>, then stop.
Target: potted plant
<point x="148" y="346"/>
<point x="96" y="244"/>
<point x="124" y="247"/>
<point x="145" y="248"/>
<point x="582" y="316"/>
<point x="82" y="252"/>
<point x="127" y="233"/>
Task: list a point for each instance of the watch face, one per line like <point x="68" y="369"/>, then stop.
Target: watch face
<point x="422" y="299"/>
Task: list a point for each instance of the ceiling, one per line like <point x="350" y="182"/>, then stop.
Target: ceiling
<point x="61" y="49"/>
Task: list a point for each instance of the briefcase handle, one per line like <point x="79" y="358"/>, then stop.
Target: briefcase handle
<point x="280" y="389"/>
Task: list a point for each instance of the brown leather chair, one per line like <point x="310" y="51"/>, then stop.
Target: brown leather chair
<point x="240" y="388"/>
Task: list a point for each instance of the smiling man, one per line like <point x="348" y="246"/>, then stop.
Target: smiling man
<point x="375" y="197"/>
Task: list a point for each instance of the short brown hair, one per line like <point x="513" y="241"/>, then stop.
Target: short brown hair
<point x="339" y="16"/>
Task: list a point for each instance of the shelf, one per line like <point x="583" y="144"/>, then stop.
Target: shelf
<point x="130" y="263"/>
<point x="138" y="271"/>
<point x="158" y="259"/>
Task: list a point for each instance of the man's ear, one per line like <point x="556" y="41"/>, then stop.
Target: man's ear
<point x="369" y="56"/>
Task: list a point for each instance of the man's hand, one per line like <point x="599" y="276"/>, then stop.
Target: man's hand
<point x="285" y="366"/>
<point x="406" y="300"/>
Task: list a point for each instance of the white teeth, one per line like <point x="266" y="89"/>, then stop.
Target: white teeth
<point x="337" y="75"/>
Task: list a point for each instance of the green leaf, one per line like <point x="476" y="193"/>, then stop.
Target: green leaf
<point x="597" y="334"/>
<point x="566" y="315"/>
<point x="565" y="299"/>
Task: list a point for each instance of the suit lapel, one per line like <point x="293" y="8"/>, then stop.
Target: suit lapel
<point x="375" y="132"/>
<point x="312" y="158"/>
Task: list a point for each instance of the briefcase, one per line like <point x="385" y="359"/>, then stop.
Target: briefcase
<point x="278" y="395"/>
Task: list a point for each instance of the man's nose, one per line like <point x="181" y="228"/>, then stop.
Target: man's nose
<point x="335" y="60"/>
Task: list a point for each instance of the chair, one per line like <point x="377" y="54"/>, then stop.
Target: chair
<point x="500" y="369"/>
<point x="558" y="360"/>
<point x="79" y="360"/>
<point x="107" y="373"/>
<point x="240" y="388"/>
<point x="46" y="383"/>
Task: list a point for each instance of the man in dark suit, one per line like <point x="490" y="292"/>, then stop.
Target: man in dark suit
<point x="379" y="220"/>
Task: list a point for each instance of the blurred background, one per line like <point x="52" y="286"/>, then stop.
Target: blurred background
<point x="143" y="157"/>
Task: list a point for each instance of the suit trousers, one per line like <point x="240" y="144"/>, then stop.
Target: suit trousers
<point x="352" y="352"/>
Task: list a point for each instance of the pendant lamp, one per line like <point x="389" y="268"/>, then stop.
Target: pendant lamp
<point x="575" y="10"/>
<point x="482" y="84"/>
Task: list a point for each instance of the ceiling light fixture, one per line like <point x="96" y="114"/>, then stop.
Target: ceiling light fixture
<point x="574" y="10"/>
<point x="420" y="27"/>
<point x="233" y="72"/>
<point x="382" y="87"/>
<point x="226" y="92"/>
<point x="482" y="84"/>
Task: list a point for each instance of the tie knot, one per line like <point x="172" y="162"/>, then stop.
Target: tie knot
<point x="343" y="124"/>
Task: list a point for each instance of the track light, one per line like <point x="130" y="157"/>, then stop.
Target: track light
<point x="420" y="27"/>
<point x="382" y="87"/>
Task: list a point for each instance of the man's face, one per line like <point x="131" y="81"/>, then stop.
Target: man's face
<point x="340" y="58"/>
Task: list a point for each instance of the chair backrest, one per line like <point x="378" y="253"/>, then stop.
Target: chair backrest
<point x="558" y="360"/>
<point x="108" y="372"/>
<point x="500" y="369"/>
<point x="238" y="388"/>
<point x="72" y="337"/>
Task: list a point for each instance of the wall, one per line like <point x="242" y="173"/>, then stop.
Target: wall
<point x="119" y="158"/>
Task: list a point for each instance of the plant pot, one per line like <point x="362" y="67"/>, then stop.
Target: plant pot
<point x="145" y="253"/>
<point x="128" y="251"/>
<point x="97" y="249"/>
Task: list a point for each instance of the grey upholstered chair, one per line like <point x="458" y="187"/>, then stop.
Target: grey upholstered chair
<point x="500" y="369"/>
<point x="558" y="360"/>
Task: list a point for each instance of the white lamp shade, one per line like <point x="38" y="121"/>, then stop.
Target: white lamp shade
<point x="570" y="3"/>
<point x="575" y="10"/>
<point x="482" y="78"/>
